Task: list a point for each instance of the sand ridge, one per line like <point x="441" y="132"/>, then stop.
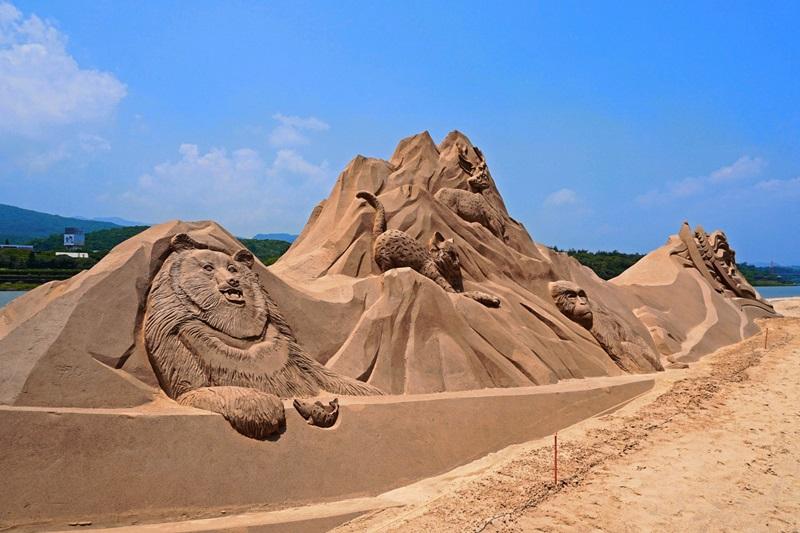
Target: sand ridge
<point x="712" y="448"/>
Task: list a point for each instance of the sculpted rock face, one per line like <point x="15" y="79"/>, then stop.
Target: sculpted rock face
<point x="471" y="205"/>
<point x="217" y="342"/>
<point x="396" y="249"/>
<point x="714" y="258"/>
<point x="625" y="348"/>
<point x="81" y="342"/>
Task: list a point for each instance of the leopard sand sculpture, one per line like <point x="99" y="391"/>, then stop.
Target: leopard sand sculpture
<point x="217" y="341"/>
<point x="472" y="205"/>
<point x="396" y="249"/>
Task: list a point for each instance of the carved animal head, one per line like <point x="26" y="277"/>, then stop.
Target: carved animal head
<point x="572" y="301"/>
<point x="722" y="250"/>
<point x="445" y="255"/>
<point x="219" y="289"/>
<point x="479" y="175"/>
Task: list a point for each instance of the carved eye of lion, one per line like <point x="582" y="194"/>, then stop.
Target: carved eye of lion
<point x="208" y="268"/>
<point x="232" y="269"/>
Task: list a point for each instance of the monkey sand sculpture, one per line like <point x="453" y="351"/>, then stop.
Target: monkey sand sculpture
<point x="472" y="205"/>
<point x="396" y="249"/>
<point x="217" y="341"/>
<point x="626" y="349"/>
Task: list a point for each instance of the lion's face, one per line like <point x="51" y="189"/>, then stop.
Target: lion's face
<point x="221" y="290"/>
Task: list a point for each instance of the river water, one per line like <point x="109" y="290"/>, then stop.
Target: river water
<point x="784" y="291"/>
<point x="7" y="296"/>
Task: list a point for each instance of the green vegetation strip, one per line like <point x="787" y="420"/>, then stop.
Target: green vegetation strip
<point x="25" y="269"/>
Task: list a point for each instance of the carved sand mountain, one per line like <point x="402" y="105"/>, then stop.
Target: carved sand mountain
<point x="81" y="342"/>
<point x="400" y="331"/>
<point x="688" y="310"/>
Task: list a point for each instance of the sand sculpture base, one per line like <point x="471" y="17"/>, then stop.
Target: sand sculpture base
<point x="159" y="461"/>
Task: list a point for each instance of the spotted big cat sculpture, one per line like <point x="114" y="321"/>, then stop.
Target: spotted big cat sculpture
<point x="217" y="341"/>
<point x="393" y="248"/>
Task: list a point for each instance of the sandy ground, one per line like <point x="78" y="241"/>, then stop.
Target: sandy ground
<point x="712" y="448"/>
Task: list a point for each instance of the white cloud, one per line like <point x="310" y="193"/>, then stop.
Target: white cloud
<point x="41" y="85"/>
<point x="93" y="144"/>
<point x="786" y="187"/>
<point x="238" y="189"/>
<point x="743" y="168"/>
<point x="292" y="162"/>
<point x="289" y="131"/>
<point x="42" y="161"/>
<point x="41" y="157"/>
<point x="686" y="187"/>
<point x="561" y="197"/>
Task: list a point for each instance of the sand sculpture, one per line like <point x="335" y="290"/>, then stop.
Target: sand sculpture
<point x="317" y="413"/>
<point x="440" y="263"/>
<point x="713" y="257"/>
<point x="217" y="341"/>
<point x="397" y="327"/>
<point x="126" y="352"/>
<point x="471" y="205"/>
<point x="624" y="346"/>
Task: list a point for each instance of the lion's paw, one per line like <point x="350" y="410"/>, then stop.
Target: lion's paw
<point x="257" y="415"/>
<point x="251" y="412"/>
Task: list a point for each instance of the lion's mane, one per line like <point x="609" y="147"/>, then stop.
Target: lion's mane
<point x="195" y="339"/>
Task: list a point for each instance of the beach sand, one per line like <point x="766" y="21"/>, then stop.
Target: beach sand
<point x="715" y="447"/>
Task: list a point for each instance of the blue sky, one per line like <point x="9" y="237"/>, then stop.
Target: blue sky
<point x="605" y="125"/>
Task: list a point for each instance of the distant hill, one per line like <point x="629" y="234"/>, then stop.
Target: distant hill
<point x="267" y="250"/>
<point x="20" y="226"/>
<point x="770" y="275"/>
<point x="116" y="220"/>
<point x="609" y="265"/>
<point x="100" y="240"/>
<point x="288" y="237"/>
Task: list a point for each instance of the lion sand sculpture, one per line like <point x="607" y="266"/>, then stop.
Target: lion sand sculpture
<point x="626" y="349"/>
<point x="396" y="249"/>
<point x="217" y="341"/>
<point x="472" y="205"/>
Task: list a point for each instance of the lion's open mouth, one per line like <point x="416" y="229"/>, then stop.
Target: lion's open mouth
<point x="233" y="295"/>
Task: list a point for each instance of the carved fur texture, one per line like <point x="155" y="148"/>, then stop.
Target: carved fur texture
<point x="218" y="342"/>
<point x="623" y="346"/>
<point x="397" y="249"/>
<point x="471" y="205"/>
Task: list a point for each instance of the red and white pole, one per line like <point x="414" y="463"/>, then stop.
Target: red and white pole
<point x="555" y="459"/>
